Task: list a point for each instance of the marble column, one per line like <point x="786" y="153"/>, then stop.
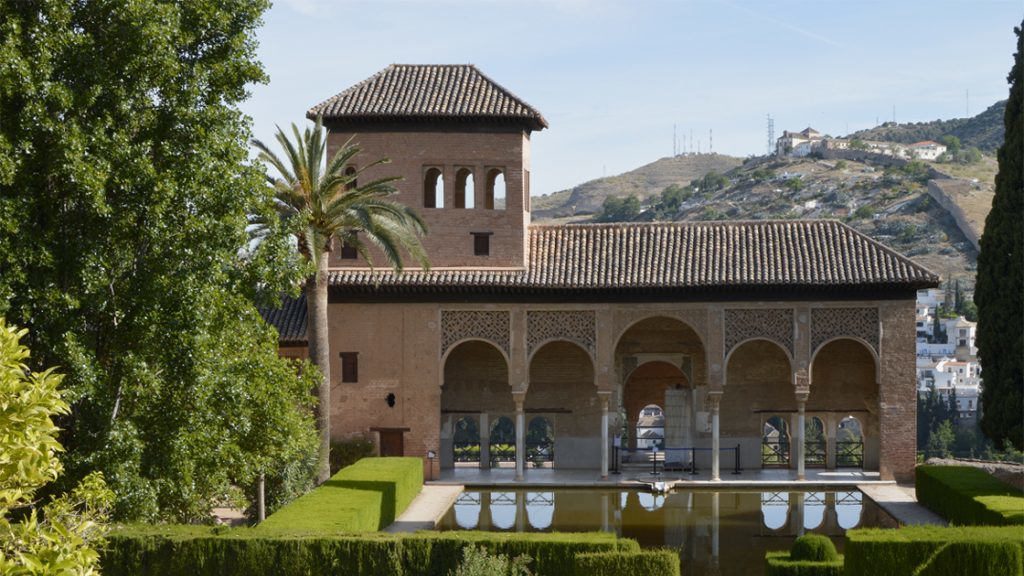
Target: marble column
<point x="520" y="436"/>
<point x="800" y="438"/>
<point x="485" y="441"/>
<point x="715" y="400"/>
<point x="603" y="396"/>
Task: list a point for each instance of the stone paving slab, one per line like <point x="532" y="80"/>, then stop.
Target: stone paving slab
<point x="900" y="501"/>
<point x="426" y="508"/>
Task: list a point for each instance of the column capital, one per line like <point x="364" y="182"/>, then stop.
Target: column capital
<point x="713" y="399"/>
<point x="519" y="397"/>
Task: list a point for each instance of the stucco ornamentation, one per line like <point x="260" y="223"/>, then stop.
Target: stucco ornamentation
<point x="829" y="323"/>
<point x="579" y="326"/>
<point x="774" y="324"/>
<point x="459" y="325"/>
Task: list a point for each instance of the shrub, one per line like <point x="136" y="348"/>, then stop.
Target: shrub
<point x="781" y="564"/>
<point x="364" y="497"/>
<point x="968" y="496"/>
<point x="203" y="551"/>
<point x="347" y="452"/>
<point x="649" y="563"/>
<point x="814" y="547"/>
<point x="920" y="550"/>
<point x="477" y="562"/>
<point x="811" y="555"/>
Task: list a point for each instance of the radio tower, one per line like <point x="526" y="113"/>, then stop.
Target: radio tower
<point x="711" y="140"/>
<point x="771" y="134"/>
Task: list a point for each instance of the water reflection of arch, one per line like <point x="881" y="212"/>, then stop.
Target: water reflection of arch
<point x="540" y="509"/>
<point x="467" y="510"/>
<point x="849" y="509"/>
<point x="503" y="510"/>
<point x="775" y="510"/>
<point x="814" y="510"/>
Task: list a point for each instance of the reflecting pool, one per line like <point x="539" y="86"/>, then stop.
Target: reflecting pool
<point x="715" y="532"/>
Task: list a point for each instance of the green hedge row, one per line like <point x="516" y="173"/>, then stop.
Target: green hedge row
<point x="934" y="550"/>
<point x="968" y="496"/>
<point x="202" y="551"/>
<point x="364" y="497"/>
<point x="653" y="563"/>
<point x="780" y="564"/>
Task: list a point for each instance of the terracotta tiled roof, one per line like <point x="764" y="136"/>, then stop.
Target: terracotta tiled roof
<point x="671" y="256"/>
<point x="289" y="319"/>
<point x="405" y="92"/>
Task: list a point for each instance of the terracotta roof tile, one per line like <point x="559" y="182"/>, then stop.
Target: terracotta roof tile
<point x="404" y="92"/>
<point x="289" y="320"/>
<point x="705" y="255"/>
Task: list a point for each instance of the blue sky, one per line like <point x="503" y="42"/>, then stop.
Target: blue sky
<point x="612" y="77"/>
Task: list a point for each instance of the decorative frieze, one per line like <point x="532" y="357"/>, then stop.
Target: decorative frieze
<point x="490" y="325"/>
<point x="829" y="323"/>
<point x="579" y="326"/>
<point x="775" y="324"/>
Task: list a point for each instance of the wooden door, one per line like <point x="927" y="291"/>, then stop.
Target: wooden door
<point x="391" y="443"/>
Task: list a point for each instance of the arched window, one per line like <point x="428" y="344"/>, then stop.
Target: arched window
<point x="815" y="446"/>
<point x="433" y="188"/>
<point x="464" y="189"/>
<point x="775" y="442"/>
<point x="350" y="172"/>
<point x="540" y="441"/>
<point x="503" y="441"/>
<point x="466" y="440"/>
<point x="849" y="443"/>
<point x="494" y="197"/>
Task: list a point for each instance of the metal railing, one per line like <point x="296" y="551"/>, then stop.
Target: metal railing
<point x="467" y="451"/>
<point x="850" y="454"/>
<point x="815" y="453"/>
<point x="775" y="452"/>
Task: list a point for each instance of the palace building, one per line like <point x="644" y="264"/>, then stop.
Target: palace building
<point x="775" y="343"/>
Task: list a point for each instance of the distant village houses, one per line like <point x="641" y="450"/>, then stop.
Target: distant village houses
<point x="947" y="358"/>
<point x="809" y="141"/>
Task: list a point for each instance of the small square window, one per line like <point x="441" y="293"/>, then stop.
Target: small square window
<point x="349" y="366"/>
<point x="481" y="243"/>
<point x="348" y="251"/>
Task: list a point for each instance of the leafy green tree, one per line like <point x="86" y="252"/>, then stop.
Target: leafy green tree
<point x="858" y="144"/>
<point x="619" y="209"/>
<point x="125" y="196"/>
<point x="999" y="292"/>
<point x="712" y="182"/>
<point x="952" y="143"/>
<point x="61" y="536"/>
<point x="326" y="203"/>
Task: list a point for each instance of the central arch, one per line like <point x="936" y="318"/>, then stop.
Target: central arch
<point x="661" y="360"/>
<point x="844" y="385"/>
<point x="562" y="389"/>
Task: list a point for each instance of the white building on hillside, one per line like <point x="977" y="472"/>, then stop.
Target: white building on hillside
<point x="927" y="150"/>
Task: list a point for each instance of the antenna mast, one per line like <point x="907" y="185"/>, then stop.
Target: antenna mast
<point x="771" y="134"/>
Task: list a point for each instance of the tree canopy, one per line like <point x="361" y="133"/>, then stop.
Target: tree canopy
<point x="999" y="292"/>
<point x="125" y="196"/>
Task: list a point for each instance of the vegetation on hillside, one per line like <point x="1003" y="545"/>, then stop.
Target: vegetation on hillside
<point x="984" y="131"/>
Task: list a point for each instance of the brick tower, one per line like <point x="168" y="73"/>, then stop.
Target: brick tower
<point x="461" y="144"/>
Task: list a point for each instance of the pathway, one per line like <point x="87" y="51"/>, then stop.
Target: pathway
<point x="426" y="508"/>
<point x="900" y="501"/>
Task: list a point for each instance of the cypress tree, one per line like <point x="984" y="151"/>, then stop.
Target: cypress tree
<point x="1000" y="288"/>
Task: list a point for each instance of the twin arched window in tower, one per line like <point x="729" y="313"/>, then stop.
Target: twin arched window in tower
<point x="464" y="195"/>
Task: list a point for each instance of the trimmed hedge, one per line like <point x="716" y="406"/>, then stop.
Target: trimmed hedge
<point x="364" y="497"/>
<point x="935" y="550"/>
<point x="651" y="563"/>
<point x="780" y="564"/>
<point x="811" y="555"/>
<point x="967" y="496"/>
<point x="205" y="551"/>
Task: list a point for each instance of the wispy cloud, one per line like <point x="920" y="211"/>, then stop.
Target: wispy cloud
<point x="791" y="27"/>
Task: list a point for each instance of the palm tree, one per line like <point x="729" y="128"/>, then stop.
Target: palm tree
<point x="326" y="203"/>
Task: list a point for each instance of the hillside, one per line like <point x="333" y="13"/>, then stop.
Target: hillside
<point x="984" y="131"/>
<point x="643" y="182"/>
